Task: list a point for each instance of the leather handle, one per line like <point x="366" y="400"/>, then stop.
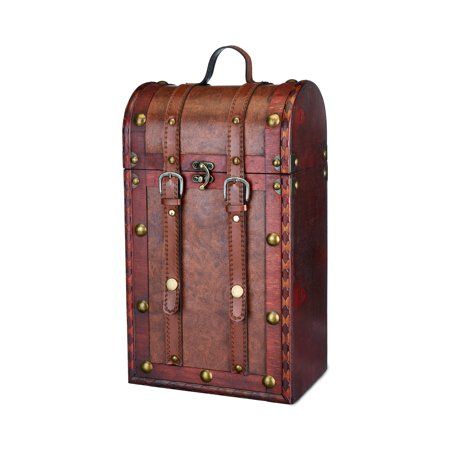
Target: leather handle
<point x="213" y="60"/>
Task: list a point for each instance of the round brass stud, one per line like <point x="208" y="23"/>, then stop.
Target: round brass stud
<point x="237" y="291"/>
<point x="296" y="185"/>
<point x="273" y="120"/>
<point x="147" y="366"/>
<point x="236" y="218"/>
<point x="206" y="376"/>
<point x="273" y="239"/>
<point x="142" y="306"/>
<point x="172" y="121"/>
<point x="273" y="317"/>
<point x="325" y="173"/>
<point x="238" y="368"/>
<point x="236" y="160"/>
<point x="134" y="159"/>
<point x="296" y="162"/>
<point x="236" y="120"/>
<point x="276" y="162"/>
<point x="135" y="181"/>
<point x="140" y="119"/>
<point x="171" y="212"/>
<point x="291" y="80"/>
<point x="277" y="185"/>
<point x="140" y="229"/>
<point x="175" y="359"/>
<point x="171" y="159"/>
<point x="171" y="284"/>
<point x="325" y="154"/>
<point x="269" y="381"/>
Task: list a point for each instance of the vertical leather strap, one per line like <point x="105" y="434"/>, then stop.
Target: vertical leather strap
<point x="236" y="189"/>
<point x="171" y="186"/>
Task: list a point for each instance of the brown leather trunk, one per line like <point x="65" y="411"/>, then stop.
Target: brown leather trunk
<point x="226" y="295"/>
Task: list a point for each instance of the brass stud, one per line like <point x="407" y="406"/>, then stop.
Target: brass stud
<point x="171" y="284"/>
<point x="175" y="359"/>
<point x="277" y="185"/>
<point x="273" y="317"/>
<point x="135" y="181"/>
<point x="171" y="159"/>
<point x="147" y="366"/>
<point x="325" y="173"/>
<point x="291" y="80"/>
<point x="296" y="162"/>
<point x="172" y="121"/>
<point x="325" y="153"/>
<point x="236" y="120"/>
<point x="171" y="212"/>
<point x="273" y="120"/>
<point x="142" y="306"/>
<point x="276" y="162"/>
<point x="202" y="187"/>
<point x="140" y="119"/>
<point x="238" y="368"/>
<point x="296" y="185"/>
<point x="134" y="159"/>
<point x="140" y="229"/>
<point x="236" y="160"/>
<point x="236" y="218"/>
<point x="269" y="381"/>
<point x="273" y="239"/>
<point x="237" y="291"/>
<point x="206" y="376"/>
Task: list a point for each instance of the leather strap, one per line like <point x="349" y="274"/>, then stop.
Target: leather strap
<point x="171" y="185"/>
<point x="213" y="60"/>
<point x="237" y="231"/>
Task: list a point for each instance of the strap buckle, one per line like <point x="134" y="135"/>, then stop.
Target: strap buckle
<point x="237" y="180"/>
<point x="170" y="175"/>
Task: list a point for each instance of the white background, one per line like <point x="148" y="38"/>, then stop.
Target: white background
<point x="68" y="69"/>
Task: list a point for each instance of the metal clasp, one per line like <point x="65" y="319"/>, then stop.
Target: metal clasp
<point x="170" y="175"/>
<point x="237" y="180"/>
<point x="206" y="178"/>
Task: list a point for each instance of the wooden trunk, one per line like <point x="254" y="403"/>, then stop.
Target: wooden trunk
<point x="191" y="325"/>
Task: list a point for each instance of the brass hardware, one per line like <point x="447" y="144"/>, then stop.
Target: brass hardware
<point x="276" y="162"/>
<point x="170" y="175"/>
<point x="273" y="317"/>
<point x="237" y="291"/>
<point x="236" y="120"/>
<point x="140" y="229"/>
<point x="162" y="82"/>
<point x="291" y="80"/>
<point x="273" y="120"/>
<point x="171" y="212"/>
<point x="172" y="121"/>
<point x="236" y="180"/>
<point x="325" y="173"/>
<point x="142" y="306"/>
<point x="140" y="119"/>
<point x="147" y="366"/>
<point x="135" y="181"/>
<point x="236" y="218"/>
<point x="269" y="381"/>
<point x="206" y="178"/>
<point x="134" y="158"/>
<point x="175" y="359"/>
<point x="325" y="154"/>
<point x="238" y="368"/>
<point x="171" y="284"/>
<point x="296" y="162"/>
<point x="206" y="376"/>
<point x="296" y="184"/>
<point x="171" y="159"/>
<point x="236" y="160"/>
<point x="277" y="185"/>
<point x="273" y="239"/>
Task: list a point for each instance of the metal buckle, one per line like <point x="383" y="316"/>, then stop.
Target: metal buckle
<point x="237" y="180"/>
<point x="170" y="175"/>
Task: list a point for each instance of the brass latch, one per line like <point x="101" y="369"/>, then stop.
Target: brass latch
<point x="205" y="178"/>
